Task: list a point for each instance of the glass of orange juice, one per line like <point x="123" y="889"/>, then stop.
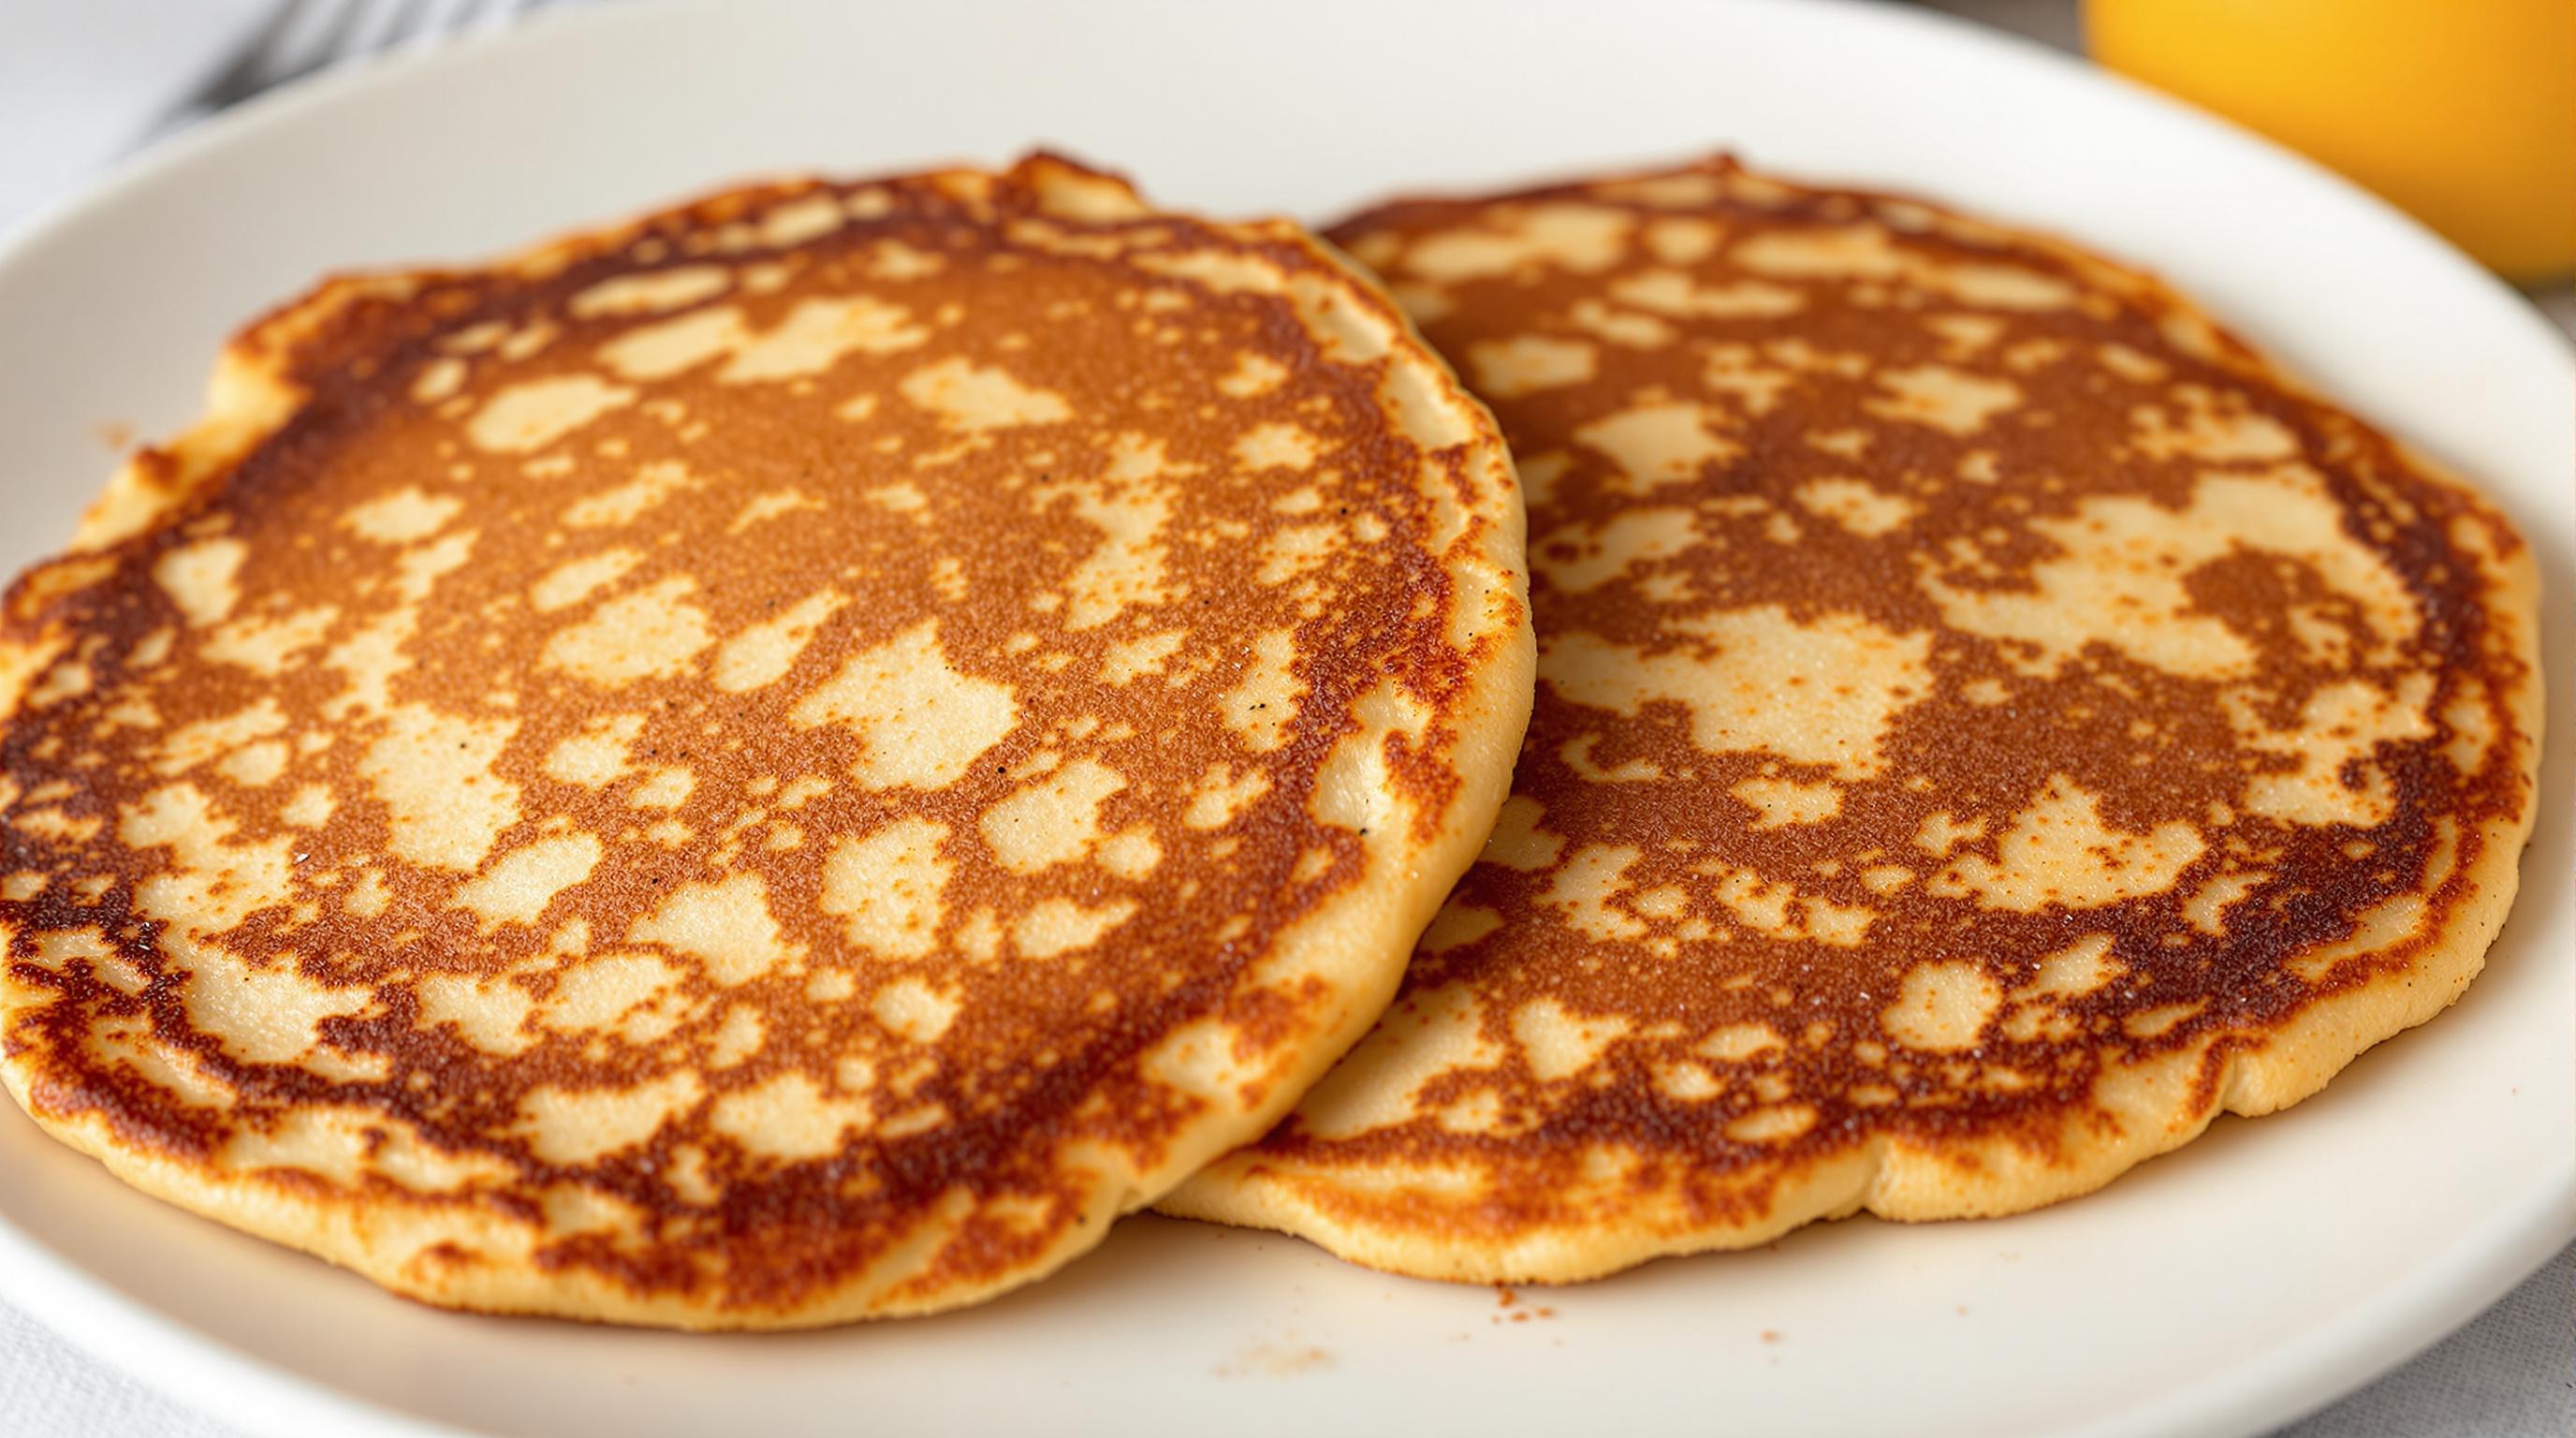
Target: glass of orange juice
<point x="2461" y="111"/>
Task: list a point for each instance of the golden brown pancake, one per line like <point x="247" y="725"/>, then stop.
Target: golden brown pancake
<point x="1989" y="722"/>
<point x="782" y="763"/>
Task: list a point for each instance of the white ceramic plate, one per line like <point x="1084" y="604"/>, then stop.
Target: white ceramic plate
<point x="2263" y="1271"/>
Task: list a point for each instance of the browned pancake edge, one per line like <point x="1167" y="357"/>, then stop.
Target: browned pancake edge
<point x="779" y="763"/>
<point x="1840" y="874"/>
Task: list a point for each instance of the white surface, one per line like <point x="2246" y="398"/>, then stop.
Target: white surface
<point x="2266" y="1269"/>
<point x="83" y="81"/>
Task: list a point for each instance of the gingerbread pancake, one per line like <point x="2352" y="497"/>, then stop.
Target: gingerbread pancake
<point x="1989" y="723"/>
<point x="783" y="763"/>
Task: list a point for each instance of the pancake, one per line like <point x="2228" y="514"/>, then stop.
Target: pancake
<point x="1989" y="723"/>
<point x="781" y="763"/>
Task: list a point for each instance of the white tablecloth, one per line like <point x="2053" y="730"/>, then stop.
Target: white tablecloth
<point x="83" y="80"/>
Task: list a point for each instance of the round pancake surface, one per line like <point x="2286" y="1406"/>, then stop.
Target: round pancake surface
<point x="782" y="763"/>
<point x="1988" y="723"/>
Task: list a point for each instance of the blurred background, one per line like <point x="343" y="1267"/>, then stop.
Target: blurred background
<point x="2462" y="112"/>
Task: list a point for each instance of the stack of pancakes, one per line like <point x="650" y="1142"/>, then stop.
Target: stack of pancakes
<point x="791" y="760"/>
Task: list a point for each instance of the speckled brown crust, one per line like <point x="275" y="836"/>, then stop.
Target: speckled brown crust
<point x="782" y="763"/>
<point x="1988" y="723"/>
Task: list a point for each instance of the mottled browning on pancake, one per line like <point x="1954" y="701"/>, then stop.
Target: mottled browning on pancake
<point x="1988" y="722"/>
<point x="779" y="764"/>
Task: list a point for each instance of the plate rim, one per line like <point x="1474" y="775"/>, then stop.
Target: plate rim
<point x="2431" y="1299"/>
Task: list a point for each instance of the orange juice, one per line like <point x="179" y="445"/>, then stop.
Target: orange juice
<point x="2461" y="111"/>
